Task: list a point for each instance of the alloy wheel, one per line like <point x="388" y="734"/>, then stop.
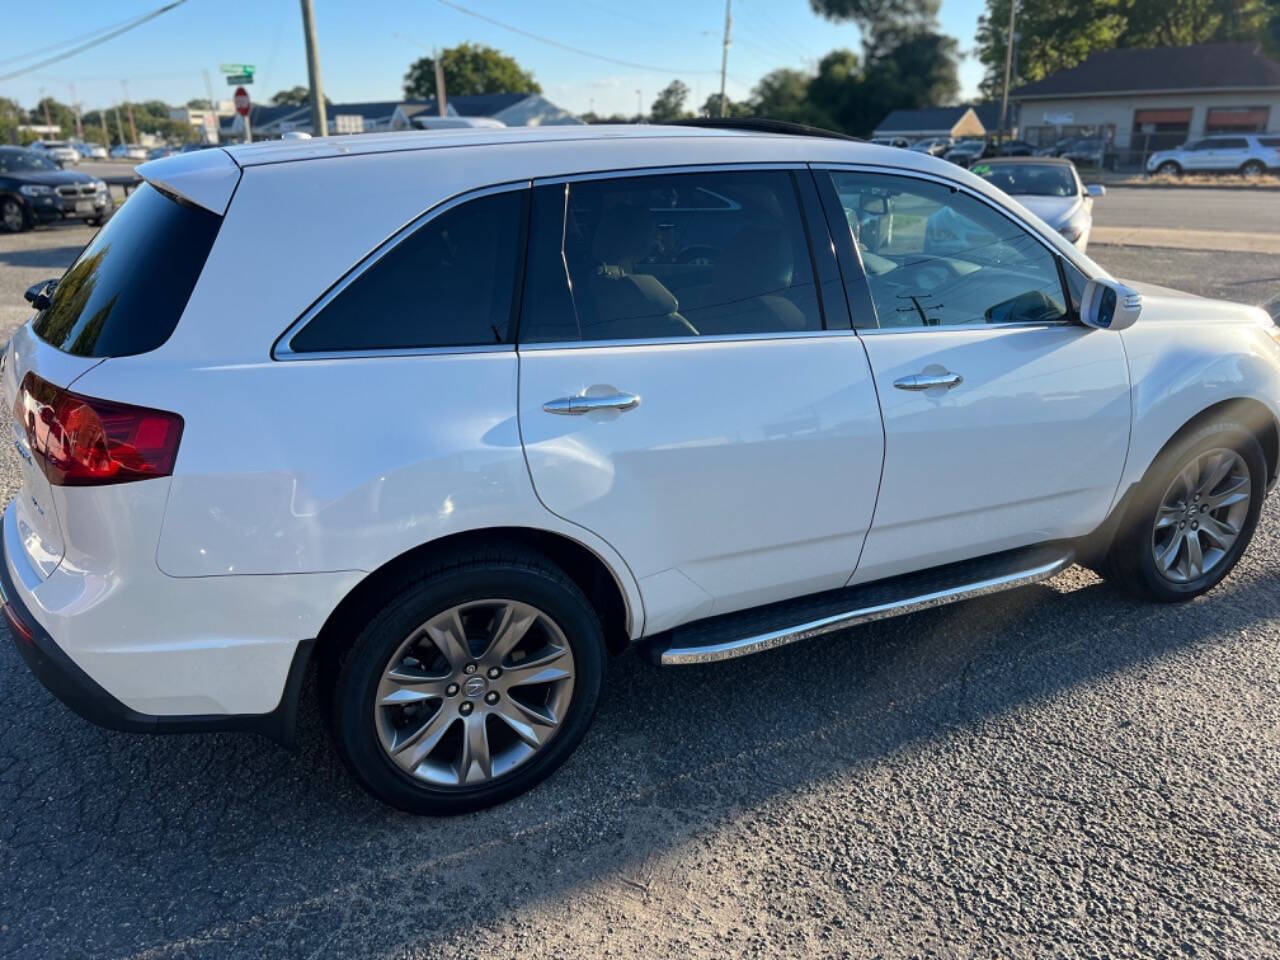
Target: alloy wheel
<point x="1201" y="515"/>
<point x="473" y="693"/>
<point x="11" y="216"/>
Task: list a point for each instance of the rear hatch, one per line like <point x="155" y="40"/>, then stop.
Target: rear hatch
<point x="122" y="296"/>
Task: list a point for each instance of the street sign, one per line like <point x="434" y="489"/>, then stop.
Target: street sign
<point x="242" y="101"/>
<point x="236" y="68"/>
<point x="238" y="79"/>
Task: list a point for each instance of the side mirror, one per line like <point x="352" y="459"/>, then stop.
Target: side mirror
<point x="38" y="295"/>
<point x="1107" y="305"/>
<point x="1096" y="190"/>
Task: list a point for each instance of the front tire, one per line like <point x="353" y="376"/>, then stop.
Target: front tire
<point x="1193" y="516"/>
<point x="13" y="218"/>
<point x="470" y="686"/>
<point x="1169" y="169"/>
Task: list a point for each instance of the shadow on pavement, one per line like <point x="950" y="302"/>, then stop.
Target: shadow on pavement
<point x="204" y="842"/>
<point x="57" y="259"/>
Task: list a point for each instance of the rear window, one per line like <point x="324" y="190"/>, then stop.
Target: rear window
<point x="127" y="289"/>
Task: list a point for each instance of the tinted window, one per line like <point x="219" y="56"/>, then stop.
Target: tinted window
<point x="127" y="289"/>
<point x="937" y="256"/>
<point x="15" y="160"/>
<point x="448" y="284"/>
<point x="1231" y="143"/>
<point x="1269" y="141"/>
<point x="682" y="255"/>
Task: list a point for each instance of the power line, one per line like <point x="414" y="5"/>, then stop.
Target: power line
<point x="137" y="22"/>
<point x="66" y="42"/>
<point x="565" y="46"/>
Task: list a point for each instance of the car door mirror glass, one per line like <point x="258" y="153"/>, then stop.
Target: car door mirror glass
<point x="1096" y="190"/>
<point x="1107" y="305"/>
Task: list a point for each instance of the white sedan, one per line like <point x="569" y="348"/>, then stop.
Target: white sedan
<point x="1049" y="188"/>
<point x="699" y="391"/>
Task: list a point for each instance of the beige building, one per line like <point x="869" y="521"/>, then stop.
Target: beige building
<point x="1141" y="101"/>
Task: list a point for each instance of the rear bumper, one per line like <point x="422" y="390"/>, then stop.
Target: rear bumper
<point x="70" y="684"/>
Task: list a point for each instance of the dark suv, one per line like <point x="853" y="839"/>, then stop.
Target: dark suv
<point x="34" y="189"/>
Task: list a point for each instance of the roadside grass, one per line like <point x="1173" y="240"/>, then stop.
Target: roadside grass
<point x="1203" y="180"/>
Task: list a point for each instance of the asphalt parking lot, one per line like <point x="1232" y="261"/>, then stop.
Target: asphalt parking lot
<point x="1057" y="771"/>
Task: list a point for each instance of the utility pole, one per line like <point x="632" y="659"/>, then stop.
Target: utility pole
<point x="45" y="103"/>
<point x="441" y="106"/>
<point x="119" y="126"/>
<point x="639" y="108"/>
<point x="213" y="108"/>
<point x="319" y="120"/>
<point x="1008" y="66"/>
<point x="724" y="56"/>
<point x="128" y="108"/>
<point x="75" y="105"/>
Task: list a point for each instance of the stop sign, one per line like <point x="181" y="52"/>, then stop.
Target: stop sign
<point x="242" y="101"/>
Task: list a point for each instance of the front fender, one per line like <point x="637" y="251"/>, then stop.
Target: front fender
<point x="1179" y="370"/>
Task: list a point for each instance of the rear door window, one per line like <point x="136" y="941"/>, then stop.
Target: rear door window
<point x="450" y="283"/>
<point x="670" y="255"/>
<point x="126" y="291"/>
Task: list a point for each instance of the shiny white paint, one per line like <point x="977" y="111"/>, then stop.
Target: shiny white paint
<point x="749" y="472"/>
<point x="1028" y="448"/>
<point x="207" y="178"/>
<point x="749" y="466"/>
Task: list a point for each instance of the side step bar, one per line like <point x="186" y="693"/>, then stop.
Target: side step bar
<point x="763" y="628"/>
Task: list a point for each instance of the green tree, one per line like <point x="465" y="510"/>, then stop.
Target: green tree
<point x="11" y="115"/>
<point x="711" y="108"/>
<point x="469" y="69"/>
<point x="876" y="18"/>
<point x="1054" y="35"/>
<point x="293" y="97"/>
<point x="784" y="95"/>
<point x="669" y="104"/>
<point x="198" y="104"/>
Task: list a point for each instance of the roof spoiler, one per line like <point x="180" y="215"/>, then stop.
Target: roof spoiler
<point x="761" y="125"/>
<point x="206" y="178"/>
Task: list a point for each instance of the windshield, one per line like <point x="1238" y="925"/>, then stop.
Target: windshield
<point x="13" y="161"/>
<point x="1029" y="179"/>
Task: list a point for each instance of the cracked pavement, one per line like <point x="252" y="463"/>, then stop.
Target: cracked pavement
<point x="1058" y="771"/>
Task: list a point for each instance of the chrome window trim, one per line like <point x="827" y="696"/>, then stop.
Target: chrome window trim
<point x="280" y="350"/>
<point x="1010" y="215"/>
<point x="629" y="173"/>
<point x="669" y="341"/>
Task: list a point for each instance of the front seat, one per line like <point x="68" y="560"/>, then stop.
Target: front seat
<point x="624" y="304"/>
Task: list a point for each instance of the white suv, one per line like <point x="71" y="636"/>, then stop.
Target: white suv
<point x="1250" y="156"/>
<point x="528" y="397"/>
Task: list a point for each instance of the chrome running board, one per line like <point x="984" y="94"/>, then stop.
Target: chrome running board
<point x="763" y="628"/>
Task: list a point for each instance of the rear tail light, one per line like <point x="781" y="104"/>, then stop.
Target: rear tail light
<point x="83" y="441"/>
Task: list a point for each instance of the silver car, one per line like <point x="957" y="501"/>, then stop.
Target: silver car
<point x="1250" y="155"/>
<point x="1048" y="187"/>
<point x="60" y="150"/>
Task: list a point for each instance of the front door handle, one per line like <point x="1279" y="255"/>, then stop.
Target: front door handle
<point x="577" y="406"/>
<point x="926" y="381"/>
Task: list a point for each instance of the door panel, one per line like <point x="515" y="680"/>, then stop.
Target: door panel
<point x="748" y="466"/>
<point x="1028" y="447"/>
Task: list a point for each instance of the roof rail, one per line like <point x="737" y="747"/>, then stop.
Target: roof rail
<point x="761" y="125"/>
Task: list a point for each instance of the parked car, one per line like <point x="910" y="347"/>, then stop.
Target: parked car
<point x="59" y="150"/>
<point x="249" y="442"/>
<point x="90" y="151"/>
<point x="1058" y="147"/>
<point x="934" y="146"/>
<point x="1048" y="187"/>
<point x="901" y="142"/>
<point x="194" y="147"/>
<point x="1249" y="155"/>
<point x="157" y="153"/>
<point x="965" y="152"/>
<point x="34" y="189"/>
<point x="129" y="151"/>
<point x="1013" y="148"/>
<point x="1091" y="152"/>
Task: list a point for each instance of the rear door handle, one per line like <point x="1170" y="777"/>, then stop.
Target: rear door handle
<point x="577" y="406"/>
<point x="926" y="381"/>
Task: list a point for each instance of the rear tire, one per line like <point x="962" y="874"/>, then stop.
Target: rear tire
<point x="1252" y="169"/>
<point x="405" y="716"/>
<point x="1188" y="527"/>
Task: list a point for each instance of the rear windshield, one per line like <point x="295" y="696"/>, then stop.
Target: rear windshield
<point x="127" y="289"/>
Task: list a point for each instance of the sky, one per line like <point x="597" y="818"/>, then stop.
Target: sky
<point x="366" y="46"/>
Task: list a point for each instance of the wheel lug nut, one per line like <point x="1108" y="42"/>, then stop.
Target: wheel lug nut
<point x="1204" y="508"/>
<point x="470" y="668"/>
<point x="451" y="690"/>
<point x="465" y="708"/>
<point x="491" y="697"/>
<point x="1195" y="526"/>
<point x="494" y="673"/>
